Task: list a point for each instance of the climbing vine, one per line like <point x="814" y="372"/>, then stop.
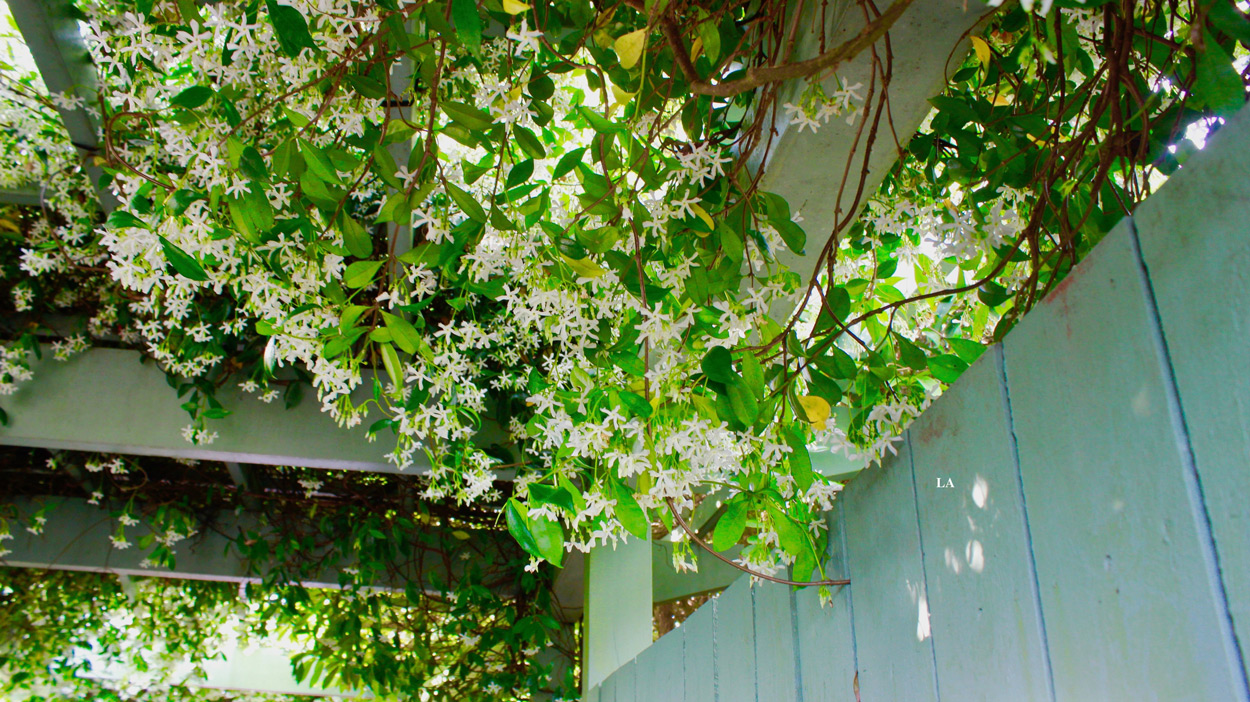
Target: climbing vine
<point x="528" y="238"/>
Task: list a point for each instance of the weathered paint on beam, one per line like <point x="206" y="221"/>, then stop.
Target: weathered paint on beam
<point x="52" y="35"/>
<point x="106" y="400"/>
<point x="28" y="196"/>
<point x="807" y="168"/>
<point x="76" y="537"/>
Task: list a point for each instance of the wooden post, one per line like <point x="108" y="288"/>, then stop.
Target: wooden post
<point x="618" y="608"/>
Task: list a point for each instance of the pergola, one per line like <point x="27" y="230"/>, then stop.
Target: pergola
<point x="109" y="401"/>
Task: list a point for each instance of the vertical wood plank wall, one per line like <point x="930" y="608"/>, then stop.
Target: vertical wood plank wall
<point x="1096" y="542"/>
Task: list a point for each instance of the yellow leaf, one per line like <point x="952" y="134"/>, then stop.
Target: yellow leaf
<point x="514" y="7"/>
<point x="629" y="47"/>
<point x="696" y="49"/>
<point x="583" y="267"/>
<point x="1001" y="99"/>
<point x="9" y="224"/>
<point x="982" y="49"/>
<point x="621" y="96"/>
<point x="816" y="409"/>
<point x="462" y="535"/>
<point x="515" y="94"/>
<point x="703" y="215"/>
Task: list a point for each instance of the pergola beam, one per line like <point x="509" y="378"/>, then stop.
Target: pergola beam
<point x="108" y="400"/>
<point x="26" y="195"/>
<point x="52" y="35"/>
<point x="76" y="537"/>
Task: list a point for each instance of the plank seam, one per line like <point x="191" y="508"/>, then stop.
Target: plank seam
<point x="924" y="575"/>
<point x="850" y="600"/>
<point x="716" y="649"/>
<point x="684" y="665"/>
<point x="1034" y="583"/>
<point x="1193" y="481"/>
<point x="755" y="642"/>
<point x="794" y="636"/>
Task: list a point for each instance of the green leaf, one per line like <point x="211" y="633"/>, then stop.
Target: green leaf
<point x="967" y="350"/>
<point x="468" y="23"/>
<point x="121" y="219"/>
<point x="402" y="331"/>
<point x="753" y="373"/>
<point x="394" y="369"/>
<point x="718" y="365"/>
<point x="528" y="142"/>
<point x="746" y="407"/>
<point x="517" y="516"/>
<point x="290" y="27"/>
<point x="181" y="200"/>
<point x="597" y="121"/>
<point x="360" y="273"/>
<point x="631" y="516"/>
<point x="992" y="294"/>
<point x="1217" y="85"/>
<point x="466" y="203"/>
<point x="252" y="165"/>
<point x="731" y="525"/>
<point x="319" y="163"/>
<point x="731" y="244"/>
<point x="190" y="12"/>
<point x="909" y="354"/>
<point x="549" y="536"/>
<point x="182" y="262"/>
<point x="778" y="211"/>
<point x="804" y="566"/>
<point x="793" y="538"/>
<point x="467" y="115"/>
<point x="567" y="163"/>
<point x="837" y="363"/>
<point x="947" y="368"/>
<point x="520" y="173"/>
<point x="270" y="357"/>
<point x="426" y="253"/>
<point x="355" y="237"/>
<point x="192" y="97"/>
<point x="710" y="34"/>
<point x="384" y="166"/>
<point x="800" y="460"/>
<point x="636" y="404"/>
<point x="556" y="496"/>
<point x="317" y="191"/>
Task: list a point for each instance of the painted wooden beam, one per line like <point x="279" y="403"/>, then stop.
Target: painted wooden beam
<point x="107" y="400"/>
<point x="21" y="196"/>
<point x="76" y="537"/>
<point x="925" y="45"/>
<point x="52" y="35"/>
